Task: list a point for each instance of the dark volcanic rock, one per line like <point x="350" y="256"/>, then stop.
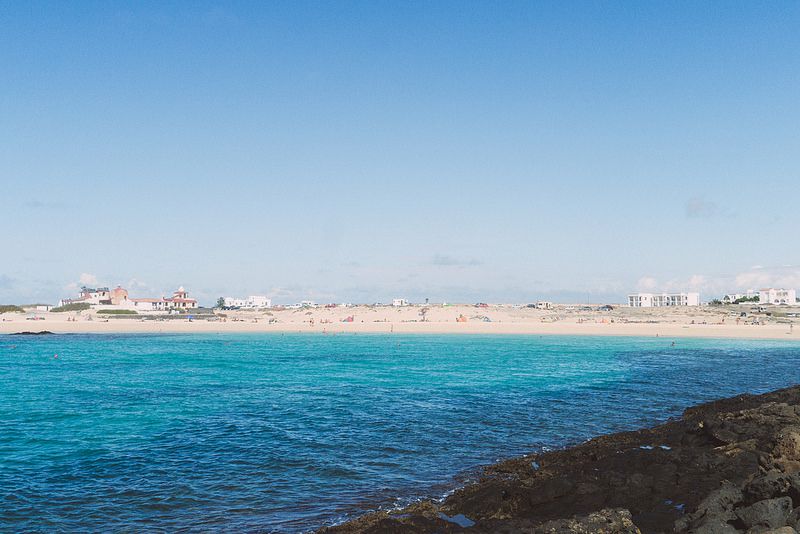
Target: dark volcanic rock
<point x="770" y="513"/>
<point x="770" y="484"/>
<point x="27" y="333"/>
<point x="715" y="512"/>
<point x="727" y="466"/>
<point x="604" y="521"/>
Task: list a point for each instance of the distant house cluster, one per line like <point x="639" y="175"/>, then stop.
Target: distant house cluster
<point x="118" y="298"/>
<point x="774" y="296"/>
<point x="658" y="300"/>
<point x="251" y="302"/>
<point x="769" y="295"/>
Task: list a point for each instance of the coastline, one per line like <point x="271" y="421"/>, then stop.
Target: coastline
<point x="731" y="465"/>
<point x="175" y="327"/>
<point x="701" y="322"/>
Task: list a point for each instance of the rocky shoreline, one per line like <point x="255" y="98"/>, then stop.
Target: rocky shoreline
<point x="727" y="466"/>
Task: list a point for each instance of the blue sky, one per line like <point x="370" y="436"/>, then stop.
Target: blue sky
<point x="359" y="151"/>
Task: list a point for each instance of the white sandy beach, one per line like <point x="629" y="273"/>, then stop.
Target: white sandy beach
<point x="716" y="322"/>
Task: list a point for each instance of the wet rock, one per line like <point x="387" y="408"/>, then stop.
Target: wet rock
<point x="550" y="490"/>
<point x="459" y="519"/>
<point x="771" y="513"/>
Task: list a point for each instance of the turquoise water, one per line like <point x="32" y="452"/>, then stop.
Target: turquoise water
<point x="289" y="432"/>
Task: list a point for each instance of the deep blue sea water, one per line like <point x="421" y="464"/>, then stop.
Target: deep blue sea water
<point x="273" y="432"/>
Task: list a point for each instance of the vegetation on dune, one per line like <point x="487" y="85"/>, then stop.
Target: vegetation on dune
<point x="77" y="306"/>
<point x="9" y="308"/>
<point x="118" y="312"/>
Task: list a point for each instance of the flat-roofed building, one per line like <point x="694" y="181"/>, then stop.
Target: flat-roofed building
<point x="89" y="295"/>
<point x="658" y="300"/>
<point x="149" y="305"/>
<point x="259" y="301"/>
<point x="251" y="302"/>
<point x="772" y="295"/>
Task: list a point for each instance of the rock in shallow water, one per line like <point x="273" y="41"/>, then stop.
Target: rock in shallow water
<point x="28" y="333"/>
<point x="731" y="463"/>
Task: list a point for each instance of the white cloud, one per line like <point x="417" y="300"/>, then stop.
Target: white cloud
<point x="647" y="283"/>
<point x="697" y="281"/>
<point x="137" y="286"/>
<point x="758" y="277"/>
<point x="85" y="279"/>
<point x="88" y="279"/>
<point x="297" y="293"/>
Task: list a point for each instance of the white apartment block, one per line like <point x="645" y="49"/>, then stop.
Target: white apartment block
<point x="777" y="296"/>
<point x="251" y="302"/>
<point x="658" y="300"/>
<point x="399" y="302"/>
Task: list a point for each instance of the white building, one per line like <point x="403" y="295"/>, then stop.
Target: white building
<point x="657" y="300"/>
<point x="179" y="301"/>
<point x="399" y="302"/>
<point x="259" y="301"/>
<point x="91" y="296"/>
<point x="149" y="305"/>
<point x="251" y="302"/>
<point x="777" y="296"/>
<point x="544" y="305"/>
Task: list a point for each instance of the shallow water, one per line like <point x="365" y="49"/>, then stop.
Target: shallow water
<point x="285" y="433"/>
